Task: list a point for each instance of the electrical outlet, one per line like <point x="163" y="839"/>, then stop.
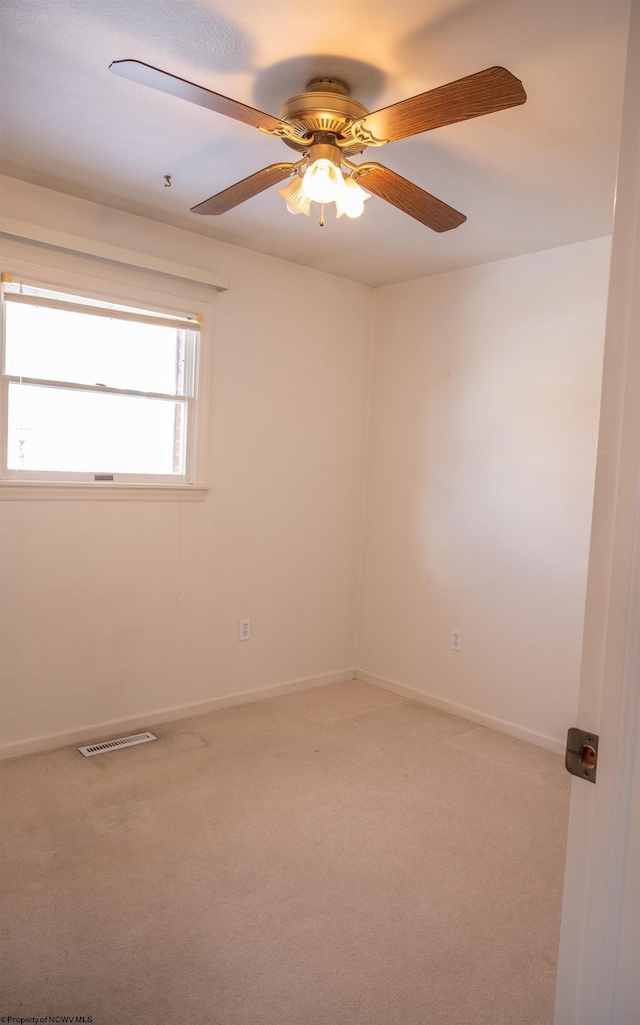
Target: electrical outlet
<point x="456" y="639"/>
<point x="244" y="633"/>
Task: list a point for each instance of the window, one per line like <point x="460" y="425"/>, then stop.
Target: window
<point x="97" y="391"/>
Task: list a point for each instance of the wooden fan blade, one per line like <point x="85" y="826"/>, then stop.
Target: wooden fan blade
<point x="136" y="71"/>
<point x="482" y="93"/>
<point x="245" y="189"/>
<point x="409" y="198"/>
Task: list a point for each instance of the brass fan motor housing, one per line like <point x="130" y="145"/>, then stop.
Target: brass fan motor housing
<point x="325" y="107"/>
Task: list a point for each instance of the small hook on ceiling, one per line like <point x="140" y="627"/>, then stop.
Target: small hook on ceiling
<point x="167" y="181"/>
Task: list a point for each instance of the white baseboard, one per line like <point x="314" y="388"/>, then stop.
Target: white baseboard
<point x="471" y="714"/>
<point x="105" y="730"/>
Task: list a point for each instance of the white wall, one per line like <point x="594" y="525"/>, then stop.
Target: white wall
<point x="482" y="447"/>
<point x="120" y="609"/>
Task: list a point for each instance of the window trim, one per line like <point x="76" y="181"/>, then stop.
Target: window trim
<point x="15" y="484"/>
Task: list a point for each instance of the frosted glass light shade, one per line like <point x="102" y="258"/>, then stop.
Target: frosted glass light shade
<point x="297" y="201"/>
<point x="323" y="181"/>
<point x="351" y="199"/>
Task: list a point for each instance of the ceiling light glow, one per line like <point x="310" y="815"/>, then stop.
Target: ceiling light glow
<point x="323" y="181"/>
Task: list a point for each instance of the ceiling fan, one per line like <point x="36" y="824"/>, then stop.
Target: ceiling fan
<point x="327" y="127"/>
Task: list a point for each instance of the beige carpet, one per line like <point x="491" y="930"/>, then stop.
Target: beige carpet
<point x="338" y="856"/>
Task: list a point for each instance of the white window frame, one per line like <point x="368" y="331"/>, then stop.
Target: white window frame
<point x="61" y="484"/>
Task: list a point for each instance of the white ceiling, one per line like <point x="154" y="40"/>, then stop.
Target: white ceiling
<point x="529" y="178"/>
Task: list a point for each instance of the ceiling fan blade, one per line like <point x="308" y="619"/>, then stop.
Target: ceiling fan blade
<point x="136" y="71"/>
<point x="482" y="93"/>
<point x="409" y="198"/>
<point x="245" y="189"/>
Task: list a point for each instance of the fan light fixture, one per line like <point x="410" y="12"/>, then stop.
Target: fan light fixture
<point x="321" y="179"/>
<point x="348" y="196"/>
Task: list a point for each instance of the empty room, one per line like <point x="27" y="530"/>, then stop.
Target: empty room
<point x="318" y="534"/>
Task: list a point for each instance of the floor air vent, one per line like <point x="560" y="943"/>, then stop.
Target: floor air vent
<point x="110" y="745"/>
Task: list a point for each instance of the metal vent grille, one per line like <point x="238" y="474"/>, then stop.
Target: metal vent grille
<point x="317" y="122"/>
<point x="110" y="745"/>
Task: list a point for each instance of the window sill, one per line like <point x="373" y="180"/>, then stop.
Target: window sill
<point x="90" y="491"/>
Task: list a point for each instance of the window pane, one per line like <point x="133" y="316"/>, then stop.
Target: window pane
<point x="76" y="431"/>
<point x="59" y="345"/>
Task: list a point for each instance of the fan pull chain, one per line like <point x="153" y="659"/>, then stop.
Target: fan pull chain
<point x="321" y="221"/>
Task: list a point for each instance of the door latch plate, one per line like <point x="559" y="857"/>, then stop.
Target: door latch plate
<point x="581" y="757"/>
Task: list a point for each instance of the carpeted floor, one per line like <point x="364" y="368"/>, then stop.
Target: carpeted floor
<point x="338" y="856"/>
